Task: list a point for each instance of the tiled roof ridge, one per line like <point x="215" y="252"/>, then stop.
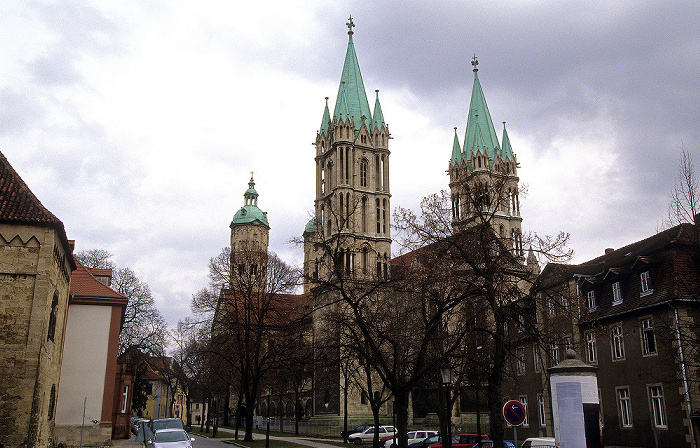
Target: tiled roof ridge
<point x="16" y="194"/>
<point x="18" y="205"/>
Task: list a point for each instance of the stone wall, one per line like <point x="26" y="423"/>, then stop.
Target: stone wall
<point x="33" y="271"/>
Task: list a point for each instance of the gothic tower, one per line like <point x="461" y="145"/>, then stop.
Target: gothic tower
<point x="352" y="205"/>
<point x="249" y="238"/>
<point x="484" y="175"/>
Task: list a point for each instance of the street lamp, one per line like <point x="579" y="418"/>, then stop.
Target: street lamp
<point x="267" y="433"/>
<point x="446" y="372"/>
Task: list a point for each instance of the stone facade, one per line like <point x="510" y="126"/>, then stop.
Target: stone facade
<point x="34" y="282"/>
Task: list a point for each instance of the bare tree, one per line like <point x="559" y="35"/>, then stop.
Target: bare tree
<point x="96" y="259"/>
<point x="685" y="196"/>
<point x="481" y="271"/>
<point x="248" y="318"/>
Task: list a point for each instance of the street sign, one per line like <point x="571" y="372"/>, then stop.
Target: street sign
<point x="514" y="412"/>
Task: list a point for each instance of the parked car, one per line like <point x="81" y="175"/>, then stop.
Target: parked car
<point x="414" y="437"/>
<point x="354" y="430"/>
<point x="367" y="435"/>
<point x="427" y="442"/>
<point x="539" y="442"/>
<point x="136" y="424"/>
<point x="167" y="423"/>
<point x="171" y="438"/>
<point x="463" y="441"/>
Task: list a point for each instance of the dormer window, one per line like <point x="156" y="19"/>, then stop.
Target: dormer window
<point x="617" y="293"/>
<point x="591" y="301"/>
<point x="645" y="280"/>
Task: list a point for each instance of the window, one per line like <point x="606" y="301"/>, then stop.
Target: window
<point x="617" y="293"/>
<point x="52" y="318"/>
<point x="555" y="354"/>
<point x="538" y="359"/>
<point x="540" y="407"/>
<point x="363" y="173"/>
<point x="591" y="300"/>
<point x="564" y="303"/>
<point x="657" y="406"/>
<point x="520" y="355"/>
<point x="125" y="397"/>
<point x="52" y="401"/>
<point x="625" y="409"/>
<point x="552" y="306"/>
<point x="645" y="280"/>
<point x="523" y="400"/>
<point x="591" y="356"/>
<point x="618" y="343"/>
<point x="567" y="343"/>
<point x="648" y="339"/>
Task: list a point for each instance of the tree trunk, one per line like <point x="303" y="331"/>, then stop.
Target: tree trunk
<point x="401" y="401"/>
<point x="249" y="406"/>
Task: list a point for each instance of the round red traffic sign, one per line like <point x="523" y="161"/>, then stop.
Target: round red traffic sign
<point x="514" y="412"/>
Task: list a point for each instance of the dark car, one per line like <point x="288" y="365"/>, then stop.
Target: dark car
<point x="359" y="428"/>
<point x="427" y="442"/>
<point x="167" y="423"/>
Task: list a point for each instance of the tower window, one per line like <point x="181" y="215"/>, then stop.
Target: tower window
<point x="52" y="318"/>
<point x="363" y="173"/>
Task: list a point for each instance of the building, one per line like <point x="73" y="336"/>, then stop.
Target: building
<point x="36" y="263"/>
<point x="165" y="394"/>
<point x="632" y="312"/>
<point x="92" y="405"/>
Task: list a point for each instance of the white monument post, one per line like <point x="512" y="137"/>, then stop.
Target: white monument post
<point x="575" y="404"/>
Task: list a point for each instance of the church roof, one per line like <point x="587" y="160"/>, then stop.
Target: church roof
<point x="326" y="120"/>
<point x="506" y="150"/>
<point x="351" y="101"/>
<point x="18" y="205"/>
<point x="250" y="213"/>
<point x="456" y="151"/>
<point x="378" y="116"/>
<point x="480" y="133"/>
<point x="310" y="226"/>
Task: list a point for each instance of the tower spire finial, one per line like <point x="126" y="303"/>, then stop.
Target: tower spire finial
<point x="350" y="24"/>
<point x="475" y="62"/>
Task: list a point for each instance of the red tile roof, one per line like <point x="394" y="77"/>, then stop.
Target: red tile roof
<point x="84" y="285"/>
<point x="18" y="205"/>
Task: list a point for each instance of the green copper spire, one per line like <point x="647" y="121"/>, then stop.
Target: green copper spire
<point x="326" y="120"/>
<point x="352" y="87"/>
<point x="378" y="116"/>
<point x="506" y="150"/>
<point x="480" y="130"/>
<point x="456" y="151"/>
<point x="250" y="213"/>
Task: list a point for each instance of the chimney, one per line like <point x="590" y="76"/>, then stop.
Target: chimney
<point x="609" y="250"/>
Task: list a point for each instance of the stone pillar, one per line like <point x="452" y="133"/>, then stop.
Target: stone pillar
<point x="575" y="403"/>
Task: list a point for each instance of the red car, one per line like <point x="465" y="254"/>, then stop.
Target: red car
<point x="463" y="441"/>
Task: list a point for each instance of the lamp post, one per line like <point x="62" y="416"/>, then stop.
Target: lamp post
<point x="446" y="371"/>
<point x="267" y="433"/>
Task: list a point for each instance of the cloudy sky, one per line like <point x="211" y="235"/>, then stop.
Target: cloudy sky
<point x="138" y="123"/>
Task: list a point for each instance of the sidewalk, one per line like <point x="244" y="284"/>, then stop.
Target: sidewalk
<point x="127" y="443"/>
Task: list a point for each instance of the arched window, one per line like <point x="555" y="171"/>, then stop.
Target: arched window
<point x="347" y="207"/>
<point x="364" y="260"/>
<point x="364" y="213"/>
<point x="363" y="172"/>
<point x="378" y="217"/>
<point x="384" y="216"/>
<point x="342" y="209"/>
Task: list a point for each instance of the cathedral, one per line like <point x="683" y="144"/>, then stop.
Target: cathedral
<point x="349" y="236"/>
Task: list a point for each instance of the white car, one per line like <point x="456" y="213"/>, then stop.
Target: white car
<point x="539" y="442"/>
<point x="367" y="435"/>
<point x="171" y="438"/>
<point x="413" y="438"/>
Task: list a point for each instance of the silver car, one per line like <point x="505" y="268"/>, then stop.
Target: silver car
<point x="171" y="438"/>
